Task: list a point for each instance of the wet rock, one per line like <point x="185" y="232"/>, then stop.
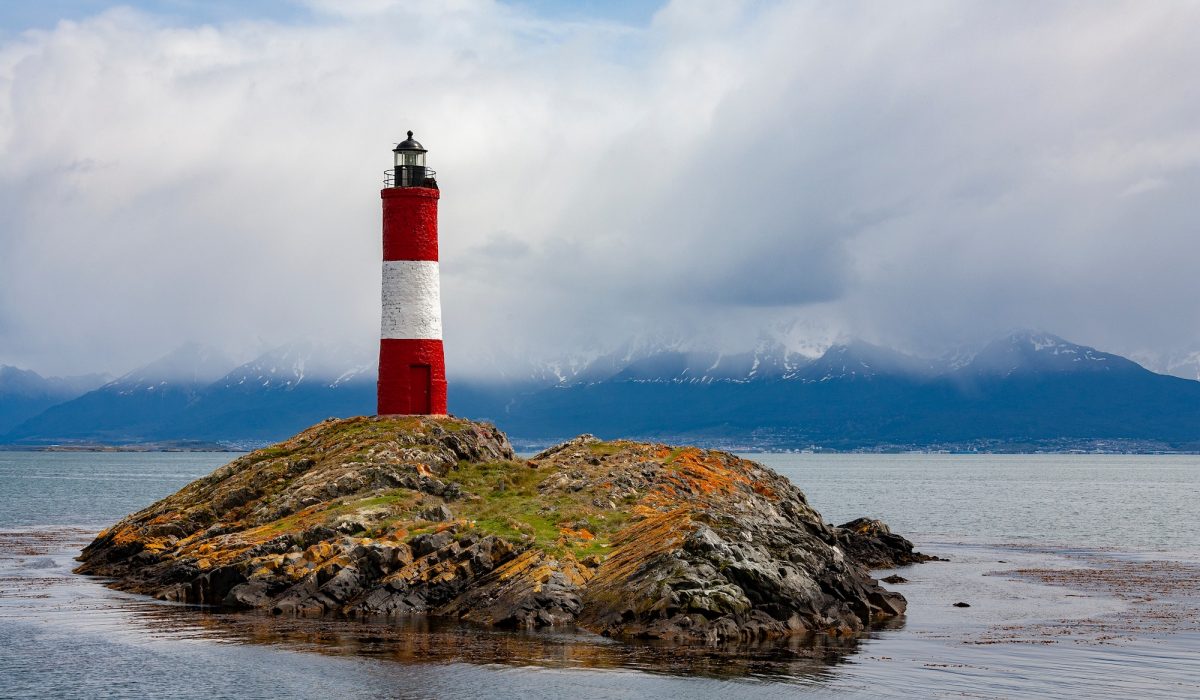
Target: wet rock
<point x="248" y="595"/>
<point x="961" y="604"/>
<point x="894" y="579"/>
<point x="873" y="543"/>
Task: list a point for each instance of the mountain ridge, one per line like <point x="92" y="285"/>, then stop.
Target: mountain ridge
<point x="1026" y="388"/>
<point x="25" y="393"/>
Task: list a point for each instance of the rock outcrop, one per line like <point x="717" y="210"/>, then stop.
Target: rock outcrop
<point x="421" y="515"/>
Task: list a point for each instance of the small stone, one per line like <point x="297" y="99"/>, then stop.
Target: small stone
<point x="437" y="514"/>
<point x="894" y="578"/>
<point x="961" y="604"/>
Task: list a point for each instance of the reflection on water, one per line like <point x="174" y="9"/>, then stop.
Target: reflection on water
<point x="33" y="567"/>
<point x="425" y="640"/>
<point x="67" y="636"/>
<point x="1007" y="643"/>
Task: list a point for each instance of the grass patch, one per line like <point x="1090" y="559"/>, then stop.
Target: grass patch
<point x="269" y="453"/>
<point x="604" y="449"/>
<point x="401" y="498"/>
<point x="596" y="547"/>
<point x="511" y="506"/>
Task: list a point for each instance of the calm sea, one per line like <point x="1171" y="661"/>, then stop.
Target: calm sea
<point x="1082" y="574"/>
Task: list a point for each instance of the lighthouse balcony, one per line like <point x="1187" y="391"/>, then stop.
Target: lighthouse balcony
<point x="410" y="177"/>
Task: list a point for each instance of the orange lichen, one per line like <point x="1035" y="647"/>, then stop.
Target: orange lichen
<point x="526" y="564"/>
<point x="580" y="534"/>
<point x="653" y="536"/>
<point x="706" y="475"/>
<point x="318" y="552"/>
<point x="763" y="490"/>
<point x="125" y="536"/>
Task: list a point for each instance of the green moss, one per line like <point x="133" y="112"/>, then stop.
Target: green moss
<point x="362" y="429"/>
<point x="596" y="547"/>
<point x="511" y="506"/>
<point x="394" y="497"/>
<point x="268" y="453"/>
<point x="603" y="449"/>
<point x="484" y="478"/>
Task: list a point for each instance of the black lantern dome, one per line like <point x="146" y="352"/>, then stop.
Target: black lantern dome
<point x="409" y="144"/>
<point x="410" y="170"/>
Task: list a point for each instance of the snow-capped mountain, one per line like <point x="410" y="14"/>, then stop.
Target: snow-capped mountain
<point x="1026" y="388"/>
<point x="196" y="393"/>
<point x="769" y="362"/>
<point x="279" y="393"/>
<point x="303" y="362"/>
<point x="1027" y="352"/>
<point x="859" y="360"/>
<point x="188" y="366"/>
<point x="662" y="357"/>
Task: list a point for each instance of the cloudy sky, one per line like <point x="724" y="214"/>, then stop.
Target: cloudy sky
<point x="917" y="174"/>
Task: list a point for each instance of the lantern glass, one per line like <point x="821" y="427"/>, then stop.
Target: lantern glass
<point x="404" y="158"/>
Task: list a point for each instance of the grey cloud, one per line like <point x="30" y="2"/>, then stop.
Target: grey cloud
<point x="916" y="174"/>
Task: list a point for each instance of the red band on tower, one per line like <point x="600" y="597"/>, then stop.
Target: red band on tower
<point x="412" y="377"/>
<point x="410" y="226"/>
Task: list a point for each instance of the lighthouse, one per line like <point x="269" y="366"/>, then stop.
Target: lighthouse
<point x="412" y="366"/>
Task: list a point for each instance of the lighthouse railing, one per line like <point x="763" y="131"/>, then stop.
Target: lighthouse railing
<point x="389" y="179"/>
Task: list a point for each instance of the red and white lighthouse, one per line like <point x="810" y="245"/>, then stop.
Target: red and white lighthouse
<point x="412" y="366"/>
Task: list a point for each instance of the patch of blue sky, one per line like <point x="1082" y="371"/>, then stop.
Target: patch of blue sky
<point x="20" y="15"/>
<point x="631" y="12"/>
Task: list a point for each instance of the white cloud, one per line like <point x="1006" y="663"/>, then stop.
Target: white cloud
<point x="915" y="173"/>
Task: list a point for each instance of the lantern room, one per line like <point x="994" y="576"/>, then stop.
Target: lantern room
<point x="410" y="170"/>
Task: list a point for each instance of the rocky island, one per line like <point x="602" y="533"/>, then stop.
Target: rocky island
<point x="388" y="516"/>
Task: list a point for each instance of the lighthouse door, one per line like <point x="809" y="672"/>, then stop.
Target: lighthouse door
<point x="419" y="388"/>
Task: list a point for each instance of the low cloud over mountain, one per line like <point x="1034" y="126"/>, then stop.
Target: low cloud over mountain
<point x="1026" y="390"/>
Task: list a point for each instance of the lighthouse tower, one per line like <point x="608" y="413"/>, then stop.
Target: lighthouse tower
<point x="412" y="367"/>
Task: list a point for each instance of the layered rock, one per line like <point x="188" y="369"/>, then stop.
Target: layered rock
<point x="419" y="515"/>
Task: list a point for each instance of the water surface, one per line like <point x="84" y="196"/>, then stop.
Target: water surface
<point x="1029" y="538"/>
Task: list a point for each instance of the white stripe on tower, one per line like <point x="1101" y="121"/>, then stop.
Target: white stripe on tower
<point x="412" y="300"/>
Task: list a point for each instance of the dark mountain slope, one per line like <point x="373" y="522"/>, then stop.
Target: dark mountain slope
<point x="1027" y="388"/>
<point x="130" y="408"/>
<point x="24" y="393"/>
